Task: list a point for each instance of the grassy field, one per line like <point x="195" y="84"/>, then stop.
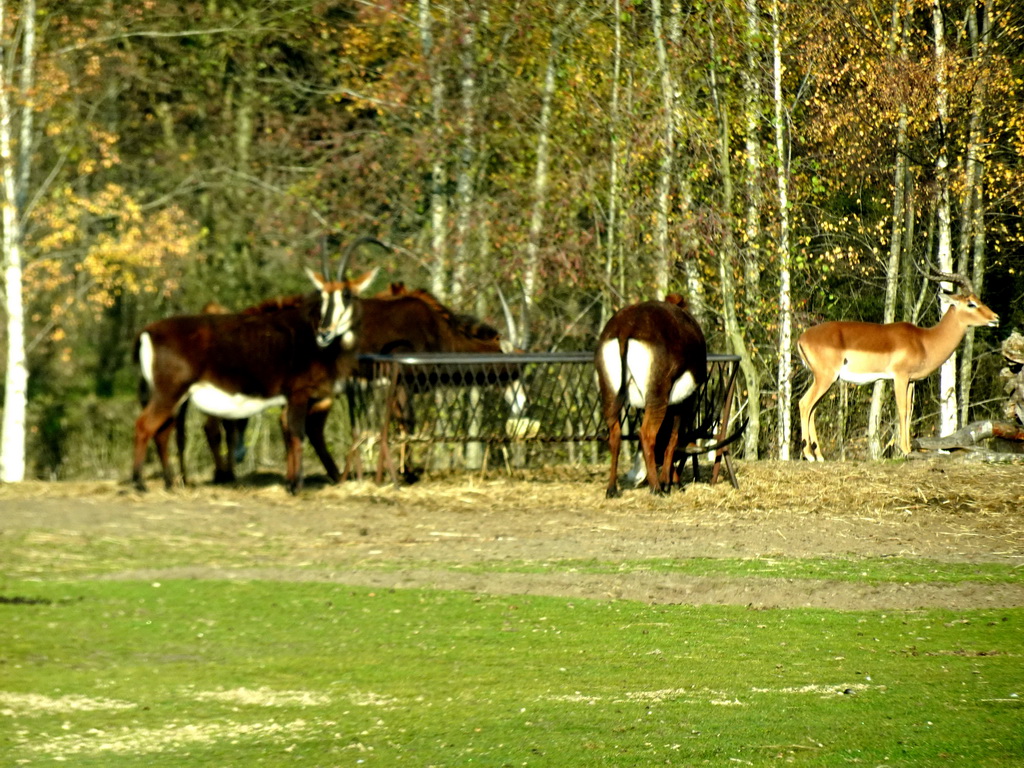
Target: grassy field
<point x="125" y="673"/>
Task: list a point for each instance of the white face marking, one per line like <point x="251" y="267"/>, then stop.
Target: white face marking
<point x="336" y="320"/>
<point x="639" y="360"/>
<point x="229" y="405"/>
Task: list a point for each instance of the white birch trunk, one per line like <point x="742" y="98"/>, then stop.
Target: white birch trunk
<point x="947" y="373"/>
<point x="438" y="203"/>
<point x="540" y="178"/>
<point x="726" y="262"/>
<point x="614" y="151"/>
<point x="663" y="258"/>
<point x="15" y="181"/>
<point x="972" y="221"/>
<point x="467" y="156"/>
<point x="752" y="108"/>
<point x="785" y="380"/>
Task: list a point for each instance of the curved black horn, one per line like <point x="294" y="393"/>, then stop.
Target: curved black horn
<point x="343" y="267"/>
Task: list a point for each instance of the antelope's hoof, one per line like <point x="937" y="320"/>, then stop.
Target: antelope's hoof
<point x="612" y="493"/>
<point x="223" y="477"/>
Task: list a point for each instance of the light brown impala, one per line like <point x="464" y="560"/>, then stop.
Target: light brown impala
<point x="862" y="353"/>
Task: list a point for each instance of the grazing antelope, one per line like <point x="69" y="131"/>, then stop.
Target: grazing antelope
<point x="862" y="353"/>
<point x="653" y="356"/>
<point x="234" y="366"/>
<point x="396" y="320"/>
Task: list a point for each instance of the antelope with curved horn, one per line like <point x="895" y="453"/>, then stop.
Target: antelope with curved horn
<point x="653" y="356"/>
<point x="862" y="353"/>
<point x="235" y="365"/>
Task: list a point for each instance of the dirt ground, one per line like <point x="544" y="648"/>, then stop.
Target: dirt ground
<point x="456" y="531"/>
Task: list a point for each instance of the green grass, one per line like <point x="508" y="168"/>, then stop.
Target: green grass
<point x="208" y="673"/>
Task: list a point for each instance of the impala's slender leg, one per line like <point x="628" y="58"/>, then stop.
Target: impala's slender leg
<point x="901" y="388"/>
<point x="808" y="404"/>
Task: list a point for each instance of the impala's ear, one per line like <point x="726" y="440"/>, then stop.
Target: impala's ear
<point x="317" y="280"/>
<point x="946" y="300"/>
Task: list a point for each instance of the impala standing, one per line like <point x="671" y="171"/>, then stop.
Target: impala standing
<point x="862" y="353"/>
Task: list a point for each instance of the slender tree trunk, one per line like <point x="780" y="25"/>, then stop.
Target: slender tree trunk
<point x="663" y="258"/>
<point x="972" y="221"/>
<point x="947" y="373"/>
<point x="614" y="151"/>
<point x="726" y="266"/>
<point x="15" y="171"/>
<point x="892" y="273"/>
<point x="540" y="174"/>
<point x="467" y="155"/>
<point x="751" y="82"/>
<point x="785" y="380"/>
<point x="438" y="202"/>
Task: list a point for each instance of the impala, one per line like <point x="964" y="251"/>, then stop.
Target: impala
<point x="862" y="353"/>
<point x="653" y="356"/>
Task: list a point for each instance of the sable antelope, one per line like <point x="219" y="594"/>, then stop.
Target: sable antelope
<point x="234" y="366"/>
<point x="862" y="353"/>
<point x="398" y="319"/>
<point x="653" y="356"/>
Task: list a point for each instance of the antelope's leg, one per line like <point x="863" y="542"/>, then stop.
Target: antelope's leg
<point x="315" y="423"/>
<point x="212" y="428"/>
<point x="147" y="425"/>
<point x="668" y="462"/>
<point x="653" y="416"/>
<point x="179" y="439"/>
<point x="901" y="388"/>
<point x="161" y="438"/>
<point x="808" y="403"/>
<point x="293" y="426"/>
<point x="614" y="445"/>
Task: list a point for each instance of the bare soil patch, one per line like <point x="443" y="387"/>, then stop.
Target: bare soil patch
<point x="437" y="532"/>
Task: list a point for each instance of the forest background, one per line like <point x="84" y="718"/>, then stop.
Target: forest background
<point x="779" y="163"/>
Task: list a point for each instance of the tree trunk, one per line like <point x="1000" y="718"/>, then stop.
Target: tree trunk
<point x="540" y="174"/>
<point x="972" y="219"/>
<point x="438" y="201"/>
<point x="947" y="373"/>
<point x="15" y="182"/>
<point x="892" y="272"/>
<point x="726" y="265"/>
<point x="467" y="156"/>
<point x="614" y="151"/>
<point x="663" y="259"/>
<point x="751" y="83"/>
<point x="785" y="380"/>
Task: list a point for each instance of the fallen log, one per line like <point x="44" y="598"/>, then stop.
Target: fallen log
<point x="972" y="434"/>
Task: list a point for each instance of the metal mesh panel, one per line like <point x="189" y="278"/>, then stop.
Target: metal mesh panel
<point x="501" y="399"/>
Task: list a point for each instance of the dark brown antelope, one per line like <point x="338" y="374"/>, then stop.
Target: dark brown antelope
<point x="652" y="356"/>
<point x="396" y="320"/>
<point x="862" y="353"/>
<point x="235" y="365"/>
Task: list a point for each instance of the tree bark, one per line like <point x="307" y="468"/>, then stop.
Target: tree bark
<point x="947" y="373"/>
<point x="726" y="265"/>
<point x="15" y="187"/>
<point x="540" y="174"/>
<point x="663" y="258"/>
<point x="438" y="200"/>
<point x="785" y="380"/>
<point x="892" y="272"/>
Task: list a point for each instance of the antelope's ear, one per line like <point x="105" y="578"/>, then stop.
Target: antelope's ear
<point x="364" y="281"/>
<point x="946" y="300"/>
<point x="317" y="280"/>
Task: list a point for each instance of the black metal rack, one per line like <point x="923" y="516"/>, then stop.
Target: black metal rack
<point x="500" y="399"/>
